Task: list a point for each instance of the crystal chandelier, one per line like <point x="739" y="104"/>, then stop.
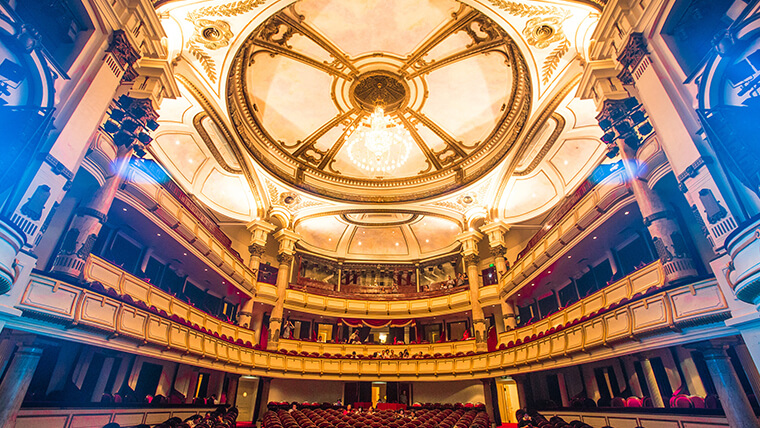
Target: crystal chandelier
<point x="379" y="144"/>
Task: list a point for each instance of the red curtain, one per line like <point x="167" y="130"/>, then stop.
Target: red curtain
<point x="264" y="337"/>
<point x="493" y="339"/>
<point x="355" y="322"/>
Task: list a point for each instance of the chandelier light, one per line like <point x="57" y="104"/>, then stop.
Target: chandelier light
<point x="379" y="144"/>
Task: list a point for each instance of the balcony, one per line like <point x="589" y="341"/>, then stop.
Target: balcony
<point x="646" y="280"/>
<point x="678" y="315"/>
<point x="591" y="210"/>
<point x="146" y="295"/>
<point x="187" y="222"/>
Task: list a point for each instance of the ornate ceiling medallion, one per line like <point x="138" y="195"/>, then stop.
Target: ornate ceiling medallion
<point x="302" y="93"/>
<point x="379" y="89"/>
<point x="212" y="34"/>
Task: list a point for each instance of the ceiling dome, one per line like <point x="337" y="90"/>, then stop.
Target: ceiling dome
<point x="444" y="71"/>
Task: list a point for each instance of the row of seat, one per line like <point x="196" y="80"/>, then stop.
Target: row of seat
<point x="337" y="418"/>
<point x="677" y="401"/>
<point x="533" y="419"/>
<point x="284" y="405"/>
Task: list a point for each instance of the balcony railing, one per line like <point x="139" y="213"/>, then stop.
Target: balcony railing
<point x="158" y="200"/>
<point x="599" y="200"/>
<point x="645" y="280"/>
<point x="661" y="316"/>
<point x="144" y="293"/>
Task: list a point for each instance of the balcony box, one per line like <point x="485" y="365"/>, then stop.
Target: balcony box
<point x="743" y="274"/>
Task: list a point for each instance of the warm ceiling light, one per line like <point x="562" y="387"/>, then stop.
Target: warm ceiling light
<point x="379" y="143"/>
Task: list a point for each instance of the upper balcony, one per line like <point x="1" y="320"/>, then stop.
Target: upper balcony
<point x="590" y="207"/>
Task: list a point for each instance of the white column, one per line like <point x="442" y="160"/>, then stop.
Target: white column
<point x="287" y="240"/>
<point x="471" y="259"/>
<point x="654" y="389"/>
<point x="16" y="382"/>
<point x="732" y="397"/>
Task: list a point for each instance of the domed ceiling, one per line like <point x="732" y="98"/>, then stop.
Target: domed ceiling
<point x="484" y="90"/>
<point x="452" y="78"/>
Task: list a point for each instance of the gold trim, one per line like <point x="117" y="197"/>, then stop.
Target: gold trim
<point x="198" y="123"/>
<point x="260" y="144"/>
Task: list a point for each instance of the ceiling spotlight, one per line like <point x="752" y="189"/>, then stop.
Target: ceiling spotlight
<point x="594" y="237"/>
<point x="158" y="234"/>
<point x="626" y="213"/>
<point x="569" y="257"/>
<point x="123" y="209"/>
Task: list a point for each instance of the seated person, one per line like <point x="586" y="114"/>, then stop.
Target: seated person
<point x="354" y="338"/>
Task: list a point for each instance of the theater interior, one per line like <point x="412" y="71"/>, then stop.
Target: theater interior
<point x="380" y="213"/>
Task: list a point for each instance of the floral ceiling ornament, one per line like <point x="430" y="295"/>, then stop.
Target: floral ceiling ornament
<point x="543" y="31"/>
<point x="212" y="34"/>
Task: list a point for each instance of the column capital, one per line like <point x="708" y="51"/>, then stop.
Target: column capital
<point x="260" y="231"/>
<point x="499" y="251"/>
<point x="471" y="259"/>
<point x="495" y="231"/>
<point x="285" y="258"/>
<point x="469" y="240"/>
<point x="625" y="123"/>
<point x="130" y="122"/>
<point x="287" y="239"/>
<point x="256" y="250"/>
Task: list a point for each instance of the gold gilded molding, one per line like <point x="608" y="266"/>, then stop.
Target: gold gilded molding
<point x="214" y="34"/>
<point x="548" y="112"/>
<point x="208" y="64"/>
<point x="227" y="10"/>
<point x="198" y="124"/>
<point x="315" y="175"/>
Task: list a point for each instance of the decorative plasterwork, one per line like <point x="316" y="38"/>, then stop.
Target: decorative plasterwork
<point x="213" y="35"/>
<point x="461" y="193"/>
<point x="313" y="162"/>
